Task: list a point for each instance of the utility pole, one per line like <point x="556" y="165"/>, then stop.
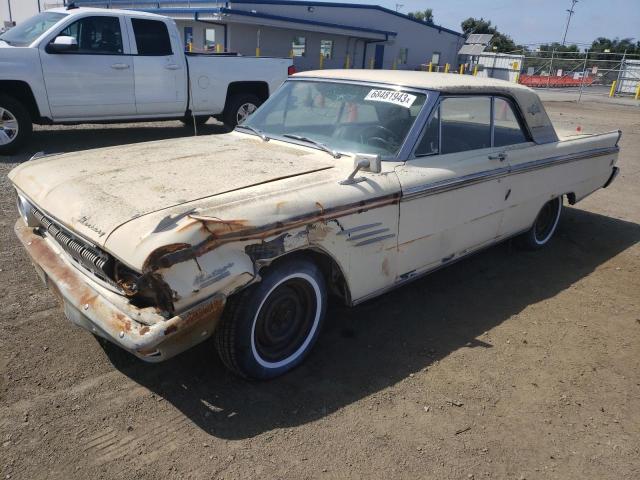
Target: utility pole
<point x="399" y="6"/>
<point x="10" y="16"/>
<point x="571" y="12"/>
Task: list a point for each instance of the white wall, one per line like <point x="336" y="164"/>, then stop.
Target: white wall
<point x="420" y="40"/>
<point x="23" y="9"/>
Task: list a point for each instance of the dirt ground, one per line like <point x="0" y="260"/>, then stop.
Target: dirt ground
<point x="508" y="365"/>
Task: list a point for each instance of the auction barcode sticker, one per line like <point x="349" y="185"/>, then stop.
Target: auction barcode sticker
<point x="391" y="96"/>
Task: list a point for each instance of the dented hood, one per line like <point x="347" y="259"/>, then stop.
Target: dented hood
<point x="93" y="192"/>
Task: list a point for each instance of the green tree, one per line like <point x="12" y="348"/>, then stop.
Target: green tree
<point x="616" y="45"/>
<point x="424" y="16"/>
<point x="499" y="43"/>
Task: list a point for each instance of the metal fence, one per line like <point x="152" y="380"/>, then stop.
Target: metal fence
<point x="589" y="73"/>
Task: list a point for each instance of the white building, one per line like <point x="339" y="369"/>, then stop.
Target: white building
<point x="344" y="34"/>
<point x="18" y="10"/>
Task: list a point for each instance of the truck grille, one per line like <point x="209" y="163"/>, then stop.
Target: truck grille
<point x="91" y="258"/>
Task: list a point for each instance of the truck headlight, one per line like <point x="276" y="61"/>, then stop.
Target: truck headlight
<point x="26" y="211"/>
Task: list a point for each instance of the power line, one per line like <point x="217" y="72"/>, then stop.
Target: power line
<point x="571" y="12"/>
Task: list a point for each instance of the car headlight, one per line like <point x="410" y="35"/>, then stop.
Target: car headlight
<point x="26" y="211"/>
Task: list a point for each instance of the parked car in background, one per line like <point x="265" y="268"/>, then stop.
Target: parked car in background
<point x="81" y="65"/>
<point x="345" y="182"/>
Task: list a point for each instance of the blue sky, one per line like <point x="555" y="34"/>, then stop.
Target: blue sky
<point x="535" y="21"/>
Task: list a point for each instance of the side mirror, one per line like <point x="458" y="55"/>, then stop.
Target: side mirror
<point x="62" y="44"/>
<point x="366" y="163"/>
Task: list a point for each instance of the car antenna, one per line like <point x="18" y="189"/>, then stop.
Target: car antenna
<point x="72" y="6"/>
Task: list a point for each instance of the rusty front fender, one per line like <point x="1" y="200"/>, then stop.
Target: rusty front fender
<point x="141" y="331"/>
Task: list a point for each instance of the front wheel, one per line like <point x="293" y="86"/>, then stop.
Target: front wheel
<point x="544" y="226"/>
<point x="269" y="328"/>
<point x="239" y="108"/>
<point x="15" y="124"/>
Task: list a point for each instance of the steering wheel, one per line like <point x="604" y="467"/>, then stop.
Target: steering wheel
<point x="391" y="141"/>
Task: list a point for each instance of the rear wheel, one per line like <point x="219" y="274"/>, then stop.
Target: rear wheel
<point x="15" y="125"/>
<point x="269" y="328"/>
<point x="544" y="227"/>
<point x="239" y="108"/>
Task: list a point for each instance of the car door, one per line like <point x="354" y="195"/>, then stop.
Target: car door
<point x="96" y="80"/>
<point x="452" y="192"/>
<point x="526" y="192"/>
<point x="160" y="71"/>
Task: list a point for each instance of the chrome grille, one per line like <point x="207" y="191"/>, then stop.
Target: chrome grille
<point x="90" y="257"/>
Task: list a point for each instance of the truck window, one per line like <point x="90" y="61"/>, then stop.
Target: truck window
<point x="29" y="30"/>
<point x="506" y="127"/>
<point x="152" y="37"/>
<point x="96" y="35"/>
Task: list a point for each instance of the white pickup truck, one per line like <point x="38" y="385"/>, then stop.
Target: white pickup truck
<point x="91" y="65"/>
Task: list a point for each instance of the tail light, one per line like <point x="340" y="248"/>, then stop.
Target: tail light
<point x="291" y="70"/>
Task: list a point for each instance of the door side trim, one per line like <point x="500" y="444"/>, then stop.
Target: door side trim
<point x="486" y="175"/>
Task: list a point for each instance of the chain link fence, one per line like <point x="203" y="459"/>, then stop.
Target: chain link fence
<point x="588" y="73"/>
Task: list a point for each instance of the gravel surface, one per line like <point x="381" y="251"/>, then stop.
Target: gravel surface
<point x="507" y="365"/>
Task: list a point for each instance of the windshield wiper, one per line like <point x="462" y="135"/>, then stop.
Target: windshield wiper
<point x="258" y="132"/>
<point x="320" y="145"/>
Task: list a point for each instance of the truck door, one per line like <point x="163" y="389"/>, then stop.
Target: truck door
<point x="96" y="80"/>
<point x="160" y="69"/>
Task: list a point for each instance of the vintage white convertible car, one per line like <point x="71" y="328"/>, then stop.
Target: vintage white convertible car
<point x="347" y="182"/>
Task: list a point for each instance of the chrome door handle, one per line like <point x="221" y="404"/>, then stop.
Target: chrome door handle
<point x="502" y="156"/>
<point x="172" y="66"/>
<point x="120" y="66"/>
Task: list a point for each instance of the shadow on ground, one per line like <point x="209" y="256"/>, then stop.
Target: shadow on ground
<point x="69" y="139"/>
<point x="373" y="346"/>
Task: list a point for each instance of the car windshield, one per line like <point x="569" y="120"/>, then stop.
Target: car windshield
<point x="339" y="116"/>
<point x="25" y="33"/>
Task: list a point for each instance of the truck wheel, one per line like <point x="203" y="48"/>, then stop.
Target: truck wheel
<point x="200" y="121"/>
<point x="239" y="108"/>
<point x="544" y="227"/>
<point x="269" y="328"/>
<point x="15" y="124"/>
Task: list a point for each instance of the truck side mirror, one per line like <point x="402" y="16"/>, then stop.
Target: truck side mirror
<point x="62" y="44"/>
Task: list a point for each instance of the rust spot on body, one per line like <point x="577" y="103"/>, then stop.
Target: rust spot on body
<point x="385" y="267"/>
<point x="170" y="329"/>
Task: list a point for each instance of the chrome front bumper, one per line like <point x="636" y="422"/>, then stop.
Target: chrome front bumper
<point x="141" y="331"/>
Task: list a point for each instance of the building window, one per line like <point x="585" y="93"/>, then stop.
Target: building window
<point x="402" y="58"/>
<point x="299" y="46"/>
<point x="435" y="58"/>
<point x="209" y="38"/>
<point x="326" y="48"/>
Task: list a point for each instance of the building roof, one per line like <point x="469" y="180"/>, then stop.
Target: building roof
<point x="347" y="5"/>
<point x="169" y="7"/>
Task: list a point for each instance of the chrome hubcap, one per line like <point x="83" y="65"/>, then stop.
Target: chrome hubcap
<point x="244" y="111"/>
<point x="8" y="127"/>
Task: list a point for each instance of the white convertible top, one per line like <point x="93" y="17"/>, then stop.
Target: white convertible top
<point x="535" y="115"/>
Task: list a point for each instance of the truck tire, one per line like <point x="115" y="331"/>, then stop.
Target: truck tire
<point x="15" y="124"/>
<point x="239" y="108"/>
<point x="269" y="328"/>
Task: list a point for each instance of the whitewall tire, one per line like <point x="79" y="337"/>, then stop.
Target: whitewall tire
<point x="269" y="328"/>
